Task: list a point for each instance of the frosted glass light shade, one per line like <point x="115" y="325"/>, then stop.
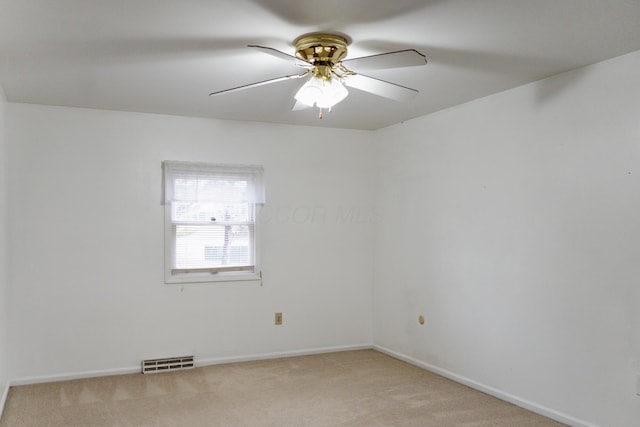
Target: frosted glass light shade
<point x="310" y="91"/>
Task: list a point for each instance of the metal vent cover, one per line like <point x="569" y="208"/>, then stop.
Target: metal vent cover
<point x="150" y="366"/>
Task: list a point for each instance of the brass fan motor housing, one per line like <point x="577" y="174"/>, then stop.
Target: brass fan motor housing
<point x="321" y="49"/>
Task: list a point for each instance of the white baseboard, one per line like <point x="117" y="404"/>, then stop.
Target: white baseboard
<point x="198" y="362"/>
<point x="73" y="376"/>
<point x="523" y="403"/>
<point x="281" y="354"/>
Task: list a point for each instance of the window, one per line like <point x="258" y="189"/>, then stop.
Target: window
<point x="210" y="221"/>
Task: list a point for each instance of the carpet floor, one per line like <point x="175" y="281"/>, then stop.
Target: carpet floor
<point x="354" y="388"/>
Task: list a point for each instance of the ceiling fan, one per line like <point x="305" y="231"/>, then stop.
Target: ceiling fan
<point x="327" y="72"/>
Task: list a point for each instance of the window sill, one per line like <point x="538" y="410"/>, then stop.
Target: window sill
<point x="240" y="276"/>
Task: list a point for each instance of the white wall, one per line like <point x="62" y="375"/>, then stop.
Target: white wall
<point x="512" y="224"/>
<point x="87" y="241"/>
<point x="4" y="284"/>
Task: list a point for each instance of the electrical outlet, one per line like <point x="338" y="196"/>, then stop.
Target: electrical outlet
<point x="278" y="318"/>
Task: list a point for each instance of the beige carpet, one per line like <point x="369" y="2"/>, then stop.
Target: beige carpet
<point x="355" y="388"/>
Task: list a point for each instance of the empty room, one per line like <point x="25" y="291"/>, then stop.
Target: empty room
<point x="337" y="213"/>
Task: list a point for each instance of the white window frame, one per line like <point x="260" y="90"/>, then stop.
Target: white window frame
<point x="208" y="275"/>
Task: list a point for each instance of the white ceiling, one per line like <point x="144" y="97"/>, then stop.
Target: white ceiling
<point x="166" y="56"/>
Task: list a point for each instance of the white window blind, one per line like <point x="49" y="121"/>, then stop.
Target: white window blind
<point x="212" y="214"/>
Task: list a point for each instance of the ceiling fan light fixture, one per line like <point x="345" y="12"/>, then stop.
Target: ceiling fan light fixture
<point x="324" y="88"/>
<point x="323" y="92"/>
<point x="333" y="93"/>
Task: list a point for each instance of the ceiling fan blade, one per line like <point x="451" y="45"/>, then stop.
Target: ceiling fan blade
<point x="279" y="54"/>
<point x="264" y="82"/>
<point x="380" y="87"/>
<point x="397" y="59"/>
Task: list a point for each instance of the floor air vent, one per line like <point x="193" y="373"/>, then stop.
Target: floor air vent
<point x="151" y="366"/>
